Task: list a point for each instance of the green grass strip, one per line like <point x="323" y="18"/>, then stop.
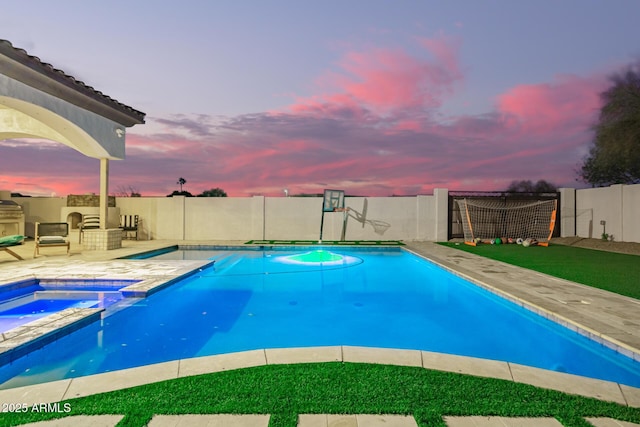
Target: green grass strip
<point x="327" y="242"/>
<point x="284" y="391"/>
<point x="614" y="272"/>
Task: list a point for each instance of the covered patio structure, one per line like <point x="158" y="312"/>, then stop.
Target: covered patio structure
<point x="40" y="101"/>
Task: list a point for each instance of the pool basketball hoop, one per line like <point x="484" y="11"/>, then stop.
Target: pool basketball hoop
<point x="333" y="201"/>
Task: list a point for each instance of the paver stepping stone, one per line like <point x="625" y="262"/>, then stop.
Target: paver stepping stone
<point x="217" y="420"/>
<point x="610" y="422"/>
<point x="79" y="421"/>
<point x="358" y="420"/>
<point x="501" y="422"/>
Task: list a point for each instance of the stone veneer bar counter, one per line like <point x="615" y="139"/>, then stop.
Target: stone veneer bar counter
<point x="102" y="240"/>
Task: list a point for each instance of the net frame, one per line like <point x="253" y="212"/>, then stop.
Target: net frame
<point x="484" y="220"/>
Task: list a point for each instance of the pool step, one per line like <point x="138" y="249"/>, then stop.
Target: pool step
<point x="16" y="302"/>
<point x="226" y="262"/>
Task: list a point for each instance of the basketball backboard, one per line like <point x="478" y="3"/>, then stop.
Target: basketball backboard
<point x="333" y="199"/>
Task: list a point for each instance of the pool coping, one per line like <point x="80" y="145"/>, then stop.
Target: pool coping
<point x="481" y="367"/>
<point x="60" y="390"/>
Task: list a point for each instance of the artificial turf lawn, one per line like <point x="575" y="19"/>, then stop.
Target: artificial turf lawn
<point x="614" y="272"/>
<point x="284" y="391"/>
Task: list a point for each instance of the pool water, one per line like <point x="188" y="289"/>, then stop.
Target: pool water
<point x="25" y="302"/>
<point x="34" y="309"/>
<point x="294" y="298"/>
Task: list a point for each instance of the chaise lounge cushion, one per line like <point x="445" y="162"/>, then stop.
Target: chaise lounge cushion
<point x="44" y="240"/>
<point x="15" y="239"/>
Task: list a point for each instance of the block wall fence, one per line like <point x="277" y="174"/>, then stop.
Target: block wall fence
<point x="414" y="218"/>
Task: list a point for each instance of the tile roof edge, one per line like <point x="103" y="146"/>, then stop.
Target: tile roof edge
<point x="34" y="63"/>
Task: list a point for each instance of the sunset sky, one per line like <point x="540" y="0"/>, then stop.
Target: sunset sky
<point x="374" y="97"/>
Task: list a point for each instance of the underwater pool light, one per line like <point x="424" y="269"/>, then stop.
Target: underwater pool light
<point x="319" y="256"/>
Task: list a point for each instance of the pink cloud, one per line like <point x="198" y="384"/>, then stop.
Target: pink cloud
<point x="385" y="80"/>
<point x="406" y="125"/>
<point x="566" y="104"/>
<point x="375" y="130"/>
<point x="446" y="69"/>
<point x="52" y="169"/>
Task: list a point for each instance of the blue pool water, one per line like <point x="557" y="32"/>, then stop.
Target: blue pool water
<point x="282" y="298"/>
<point x="25" y="302"/>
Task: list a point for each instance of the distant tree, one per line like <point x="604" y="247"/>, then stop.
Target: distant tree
<point x="128" y="191"/>
<point x="614" y="157"/>
<point x="541" y="186"/>
<point x="214" y="192"/>
<point x="180" y="193"/>
<point x="181" y="182"/>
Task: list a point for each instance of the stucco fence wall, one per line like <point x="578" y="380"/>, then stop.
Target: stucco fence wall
<point x="417" y="218"/>
<point x="618" y="206"/>
<point x="288" y="218"/>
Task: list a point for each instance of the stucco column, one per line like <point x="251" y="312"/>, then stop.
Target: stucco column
<point x="441" y="197"/>
<point x="104" y="192"/>
<point x="566" y="215"/>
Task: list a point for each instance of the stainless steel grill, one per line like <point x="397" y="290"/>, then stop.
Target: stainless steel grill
<point x="11" y="218"/>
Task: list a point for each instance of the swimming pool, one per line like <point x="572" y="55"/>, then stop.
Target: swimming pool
<point x="277" y="298"/>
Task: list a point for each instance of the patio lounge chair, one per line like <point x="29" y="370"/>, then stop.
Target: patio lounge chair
<point x="89" y="222"/>
<point x="6" y="241"/>
<point x="129" y="224"/>
<point x="51" y="234"/>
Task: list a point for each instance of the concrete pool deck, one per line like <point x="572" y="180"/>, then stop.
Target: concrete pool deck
<point x="610" y="318"/>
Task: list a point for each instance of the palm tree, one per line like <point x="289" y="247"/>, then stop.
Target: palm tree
<point x="182" y="182"/>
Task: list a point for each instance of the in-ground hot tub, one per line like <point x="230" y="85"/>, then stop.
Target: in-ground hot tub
<point x="25" y="301"/>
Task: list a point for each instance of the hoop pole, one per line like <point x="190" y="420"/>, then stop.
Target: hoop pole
<point x="344" y="224"/>
<point x="321" y="225"/>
